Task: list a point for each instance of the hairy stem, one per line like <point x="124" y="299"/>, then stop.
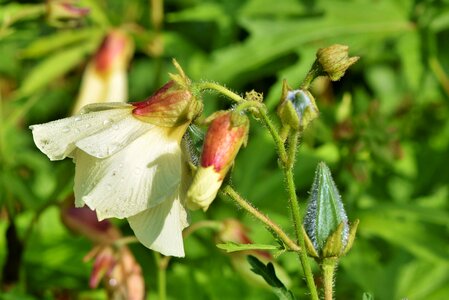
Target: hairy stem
<point x="229" y="191"/>
<point x="275" y="135"/>
<point x="287" y="167"/>
<point x="328" y="270"/>
<point x="201" y="86"/>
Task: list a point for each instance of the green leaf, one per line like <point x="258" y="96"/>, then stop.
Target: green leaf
<point x="47" y="44"/>
<point x="53" y="67"/>
<point x="268" y="273"/>
<point x="233" y="247"/>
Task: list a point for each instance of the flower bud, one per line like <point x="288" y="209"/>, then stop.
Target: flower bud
<point x="325" y="222"/>
<point x="105" y="77"/>
<point x="297" y="108"/>
<point x="172" y="105"/>
<point x="334" y="60"/>
<point x="225" y="135"/>
<point x="60" y="11"/>
<point x="84" y="221"/>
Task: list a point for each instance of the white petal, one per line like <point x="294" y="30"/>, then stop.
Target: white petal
<point x="57" y="139"/>
<point x="112" y="139"/>
<point x="160" y="228"/>
<point x="136" y="178"/>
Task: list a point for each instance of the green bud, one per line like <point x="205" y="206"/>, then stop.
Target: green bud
<point x="298" y="108"/>
<point x="325" y="222"/>
<point x="334" y="60"/>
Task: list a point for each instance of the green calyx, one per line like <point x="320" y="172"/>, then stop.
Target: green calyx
<point x="334" y="60"/>
<point x="297" y="109"/>
<point x="326" y="229"/>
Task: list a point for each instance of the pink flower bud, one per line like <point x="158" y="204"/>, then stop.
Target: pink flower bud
<point x="172" y="105"/>
<point x="225" y="135"/>
<point x="114" y="50"/>
<point x="59" y="11"/>
<point x="105" y="78"/>
<point x="84" y="221"/>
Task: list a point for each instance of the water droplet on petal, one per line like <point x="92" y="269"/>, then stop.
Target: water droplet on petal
<point x="77" y="119"/>
<point x="65" y="129"/>
<point x="107" y="122"/>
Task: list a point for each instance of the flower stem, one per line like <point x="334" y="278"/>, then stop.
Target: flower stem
<point x="287" y="167"/>
<point x="229" y="191"/>
<point x="276" y="137"/>
<point x="328" y="270"/>
<point x="221" y="89"/>
<point x="161" y="275"/>
<point x="314" y="72"/>
<point x="292" y="148"/>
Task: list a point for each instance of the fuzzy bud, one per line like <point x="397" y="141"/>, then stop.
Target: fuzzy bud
<point x="227" y="132"/>
<point x="326" y="224"/>
<point x="59" y="12"/>
<point x="334" y="60"/>
<point x="105" y="78"/>
<point x="297" y="109"/>
<point x="171" y="106"/>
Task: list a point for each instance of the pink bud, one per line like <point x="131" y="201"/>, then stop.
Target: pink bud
<point x="113" y="50"/>
<point x="223" y="141"/>
<point x="225" y="135"/>
<point x="172" y="105"/>
<point x="63" y="10"/>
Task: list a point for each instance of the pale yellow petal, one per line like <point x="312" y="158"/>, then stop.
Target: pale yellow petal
<point x="138" y="177"/>
<point x="160" y="228"/>
<point x="204" y="188"/>
<point x="57" y="139"/>
<point x="113" y="138"/>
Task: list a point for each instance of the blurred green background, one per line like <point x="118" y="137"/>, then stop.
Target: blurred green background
<point x="383" y="130"/>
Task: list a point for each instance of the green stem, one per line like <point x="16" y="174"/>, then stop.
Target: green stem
<point x="161" y="263"/>
<point x="292" y="148"/>
<point x="221" y="89"/>
<point x="314" y="72"/>
<point x="297" y="221"/>
<point x="229" y="191"/>
<point x="328" y="270"/>
<point x="247" y="104"/>
<point x="287" y="167"/>
<point x="439" y="73"/>
<point x="276" y="137"/>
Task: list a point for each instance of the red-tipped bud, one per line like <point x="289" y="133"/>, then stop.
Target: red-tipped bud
<point x="84" y="221"/>
<point x="225" y="135"/>
<point x="113" y="52"/>
<point x="171" y="106"/>
<point x="61" y="11"/>
<point x="105" y="78"/>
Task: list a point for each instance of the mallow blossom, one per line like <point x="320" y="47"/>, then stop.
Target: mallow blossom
<point x="129" y="162"/>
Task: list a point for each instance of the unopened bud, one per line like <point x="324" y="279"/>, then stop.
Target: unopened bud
<point x="334" y="60"/>
<point x="61" y="11"/>
<point x="225" y="135"/>
<point x="105" y="78"/>
<point x="326" y="223"/>
<point x="171" y="106"/>
<point x="298" y="108"/>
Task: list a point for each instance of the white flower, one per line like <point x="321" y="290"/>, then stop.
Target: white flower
<point x="126" y="167"/>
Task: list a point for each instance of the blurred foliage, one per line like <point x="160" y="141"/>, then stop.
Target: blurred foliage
<point x="383" y="130"/>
